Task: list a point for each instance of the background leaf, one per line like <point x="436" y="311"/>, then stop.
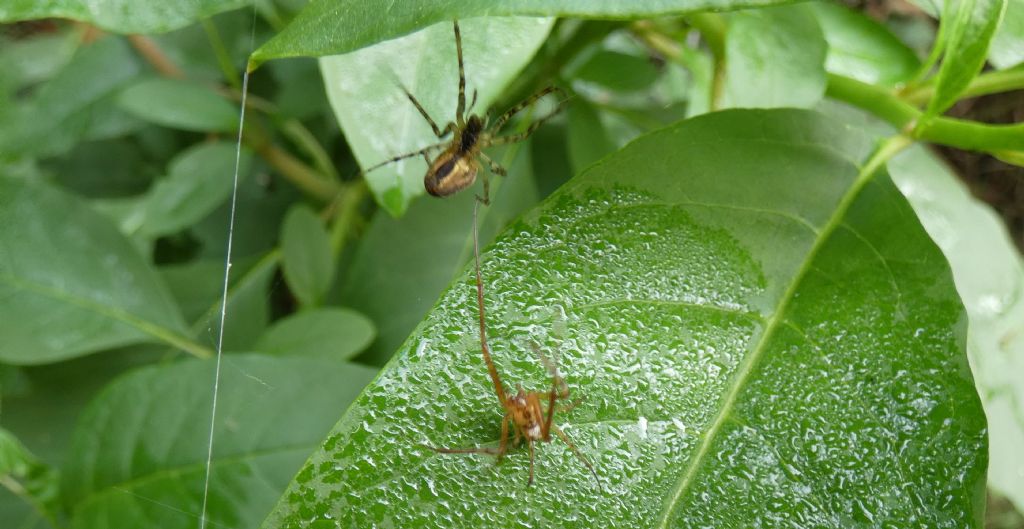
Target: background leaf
<point x="380" y="123"/>
<point x="700" y="302"/>
<point x="775" y="57"/>
<point x="138" y="456"/>
<point x="121" y="16"/>
<point x="199" y="179"/>
<point x="969" y="33"/>
<point x="329" y="333"/>
<point x="308" y="34"/>
<point x="861" y="48"/>
<point x="307" y="262"/>
<point x="1007" y="47"/>
<point x="70" y="283"/>
<point x="23" y="474"/>
<point x="180" y="104"/>
<point x="64" y="109"/>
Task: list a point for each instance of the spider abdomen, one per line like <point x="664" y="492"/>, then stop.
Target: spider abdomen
<point x="451" y="172"/>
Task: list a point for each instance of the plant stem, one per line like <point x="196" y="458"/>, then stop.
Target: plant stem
<point x="221" y="52"/>
<point x="345" y="211"/>
<point x="712" y="28"/>
<point x="300" y="174"/>
<point x="959" y="133"/>
<point x="155" y="56"/>
<point x="986" y="83"/>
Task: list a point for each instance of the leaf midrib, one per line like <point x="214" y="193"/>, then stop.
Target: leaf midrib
<point x="746" y="367"/>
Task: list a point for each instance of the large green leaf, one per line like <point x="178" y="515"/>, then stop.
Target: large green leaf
<point x="70" y="283"/>
<point x="330" y="27"/>
<point x="380" y="123"/>
<point x="762" y="335"/>
<point x="989" y="276"/>
<point x="775" y="58"/>
<point x="120" y="16"/>
<point x="969" y="32"/>
<point x="138" y="457"/>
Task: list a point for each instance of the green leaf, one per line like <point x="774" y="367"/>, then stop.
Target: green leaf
<point x="308" y="263"/>
<point x="775" y="58"/>
<point x="588" y="139"/>
<point x="62" y="110"/>
<point x="989" y="276"/>
<point x="139" y="454"/>
<point x="760" y="332"/>
<point x="70" y="283"/>
<point x="380" y="123"/>
<point x="23" y="474"/>
<point x="199" y="179"/>
<point x="402" y="265"/>
<point x="861" y="48"/>
<point x="1007" y="47"/>
<point x="969" y="32"/>
<point x="332" y="27"/>
<point x="37" y="58"/>
<point x="618" y="71"/>
<point x="120" y="16"/>
<point x="198" y="288"/>
<point x="180" y="104"/>
<point x="330" y="333"/>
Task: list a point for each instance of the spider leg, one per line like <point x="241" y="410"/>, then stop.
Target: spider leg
<point x="472" y="103"/>
<point x="424" y="151"/>
<point x="495" y="168"/>
<point x="460" y="109"/>
<point x="475" y="450"/>
<point x="565" y="438"/>
<point x="516" y="138"/>
<point x="503" y="445"/>
<point x="437" y="130"/>
<point x="500" y="122"/>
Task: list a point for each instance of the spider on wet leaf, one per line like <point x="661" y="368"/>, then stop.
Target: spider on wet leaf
<point x="459" y="162"/>
<point x="524" y="410"/>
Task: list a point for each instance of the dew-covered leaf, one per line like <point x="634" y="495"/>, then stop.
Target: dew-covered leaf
<point x="380" y="123"/>
<point x="776" y="58"/>
<point x="120" y="16"/>
<point x="330" y="27"/>
<point x="328" y="332"/>
<point x="989" y="276"/>
<point x="760" y="333"/>
<point x="138" y="456"/>
<point x="70" y="283"/>
<point x="180" y="104"/>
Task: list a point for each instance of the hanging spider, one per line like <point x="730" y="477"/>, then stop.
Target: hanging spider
<point x="457" y="166"/>
<point x="524" y="410"/>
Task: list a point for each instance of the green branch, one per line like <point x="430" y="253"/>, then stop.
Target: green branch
<point x="959" y="133"/>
